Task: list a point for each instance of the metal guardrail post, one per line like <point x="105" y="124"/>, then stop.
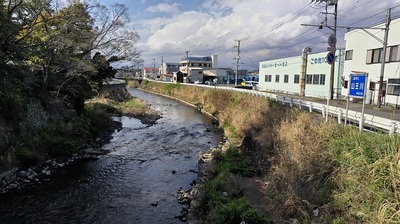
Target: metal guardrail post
<point x="291" y="102"/>
<point x="361" y="123"/>
<point x="339" y="116"/>
<point x="323" y="111"/>
<point x="392" y="128"/>
<point x="310" y="107"/>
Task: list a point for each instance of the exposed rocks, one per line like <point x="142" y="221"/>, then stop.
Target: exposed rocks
<point x="190" y="199"/>
<point x="20" y="179"/>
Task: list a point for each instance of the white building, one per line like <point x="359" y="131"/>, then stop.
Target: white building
<point x="283" y="75"/>
<point x="364" y="53"/>
<point x="169" y="68"/>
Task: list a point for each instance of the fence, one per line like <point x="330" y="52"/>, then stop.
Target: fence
<point x="371" y="122"/>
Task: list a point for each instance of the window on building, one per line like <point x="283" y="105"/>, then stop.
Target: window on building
<point x="316" y="79"/>
<point x="322" y="79"/>
<point x="394" y="53"/>
<point x="348" y="55"/>
<point x="369" y="57"/>
<point x="393" y="87"/>
<point x="276" y="78"/>
<point x="345" y="84"/>
<point x="286" y="79"/>
<point x="377" y="55"/>
<point x="374" y="56"/>
<point x="268" y="78"/>
<point x="296" y="78"/>
<point x="308" y="79"/>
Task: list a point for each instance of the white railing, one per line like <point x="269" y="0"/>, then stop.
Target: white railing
<point x="353" y="117"/>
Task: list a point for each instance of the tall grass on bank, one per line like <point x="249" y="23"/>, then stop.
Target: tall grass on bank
<point x="367" y="177"/>
<point x="299" y="179"/>
<point x="235" y="112"/>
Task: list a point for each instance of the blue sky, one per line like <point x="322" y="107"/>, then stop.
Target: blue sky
<point x="267" y="29"/>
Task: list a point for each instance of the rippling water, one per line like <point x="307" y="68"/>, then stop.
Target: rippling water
<point x="135" y="183"/>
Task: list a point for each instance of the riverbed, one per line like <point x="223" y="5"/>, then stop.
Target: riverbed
<point x="136" y="182"/>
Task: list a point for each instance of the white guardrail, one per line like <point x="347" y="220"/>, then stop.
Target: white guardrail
<point x="371" y="122"/>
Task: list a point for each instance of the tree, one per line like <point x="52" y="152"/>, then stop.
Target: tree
<point x="104" y="70"/>
<point x="113" y="37"/>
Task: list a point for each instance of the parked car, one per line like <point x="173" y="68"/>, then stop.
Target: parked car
<point x="209" y="82"/>
<point x="253" y="84"/>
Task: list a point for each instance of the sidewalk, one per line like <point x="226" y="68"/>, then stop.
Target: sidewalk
<point x="384" y="112"/>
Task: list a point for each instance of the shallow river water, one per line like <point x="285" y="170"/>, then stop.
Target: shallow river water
<point x="137" y="182"/>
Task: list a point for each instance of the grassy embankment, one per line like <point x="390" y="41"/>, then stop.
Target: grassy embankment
<point x="37" y="137"/>
<point x="312" y="171"/>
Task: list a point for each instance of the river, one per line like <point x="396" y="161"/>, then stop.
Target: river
<point x="137" y="182"/>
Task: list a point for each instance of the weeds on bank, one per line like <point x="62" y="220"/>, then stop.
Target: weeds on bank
<point x="222" y="200"/>
<point x="62" y="138"/>
<point x="367" y="177"/>
<point x="347" y="175"/>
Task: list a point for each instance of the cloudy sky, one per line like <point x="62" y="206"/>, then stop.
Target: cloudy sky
<point x="267" y="29"/>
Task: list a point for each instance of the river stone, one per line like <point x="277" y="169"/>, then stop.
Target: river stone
<point x="23" y="173"/>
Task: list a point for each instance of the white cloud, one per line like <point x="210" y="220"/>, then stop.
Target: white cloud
<point x="164" y="8"/>
<point x="267" y="29"/>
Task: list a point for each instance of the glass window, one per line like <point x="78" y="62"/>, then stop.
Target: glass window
<point x="296" y="78"/>
<point x="267" y="78"/>
<point x="316" y="79"/>
<point x="394" y="53"/>
<point x="393" y="90"/>
<point x="369" y="57"/>
<point x="308" y="79"/>
<point x="377" y="55"/>
<point x="276" y="78"/>
<point x="322" y="79"/>
<point x="286" y="79"/>
<point x="348" y="55"/>
<point x="394" y="81"/>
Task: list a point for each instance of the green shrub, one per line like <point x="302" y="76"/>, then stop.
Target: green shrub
<point x="236" y="211"/>
<point x="169" y="88"/>
<point x="26" y="157"/>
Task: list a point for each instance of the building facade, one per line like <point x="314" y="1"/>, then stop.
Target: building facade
<point x="150" y="73"/>
<point x="364" y="54"/>
<point x="169" y="68"/>
<point x="284" y="75"/>
<point x="191" y="68"/>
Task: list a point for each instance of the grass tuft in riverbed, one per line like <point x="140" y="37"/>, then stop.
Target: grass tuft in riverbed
<point x="222" y="199"/>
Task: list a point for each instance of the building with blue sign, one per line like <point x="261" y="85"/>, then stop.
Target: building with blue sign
<point x="284" y="75"/>
<point x="364" y="54"/>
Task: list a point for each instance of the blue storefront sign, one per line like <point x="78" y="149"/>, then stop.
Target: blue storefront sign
<point x="357" y="85"/>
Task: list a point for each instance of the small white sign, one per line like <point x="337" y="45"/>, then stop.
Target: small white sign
<point x="332" y="40"/>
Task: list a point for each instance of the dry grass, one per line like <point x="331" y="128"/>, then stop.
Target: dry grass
<point x="237" y="113"/>
<point x="351" y="177"/>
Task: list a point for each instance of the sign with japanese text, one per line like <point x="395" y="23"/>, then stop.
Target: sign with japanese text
<point x="357" y="85"/>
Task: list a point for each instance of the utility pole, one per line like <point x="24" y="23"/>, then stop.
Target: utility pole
<point x="187" y="63"/>
<point x="237" y="61"/>
<point x="332" y="76"/>
<point x="331" y="41"/>
<point x="162" y="66"/>
<point x="303" y="70"/>
<point x="385" y="40"/>
<point x="154" y="66"/>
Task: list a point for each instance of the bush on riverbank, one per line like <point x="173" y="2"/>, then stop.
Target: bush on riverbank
<point x="313" y="171"/>
<point x="222" y="200"/>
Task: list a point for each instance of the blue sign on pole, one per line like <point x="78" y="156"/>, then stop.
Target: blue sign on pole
<point x="330" y="57"/>
<point x="357" y="85"/>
